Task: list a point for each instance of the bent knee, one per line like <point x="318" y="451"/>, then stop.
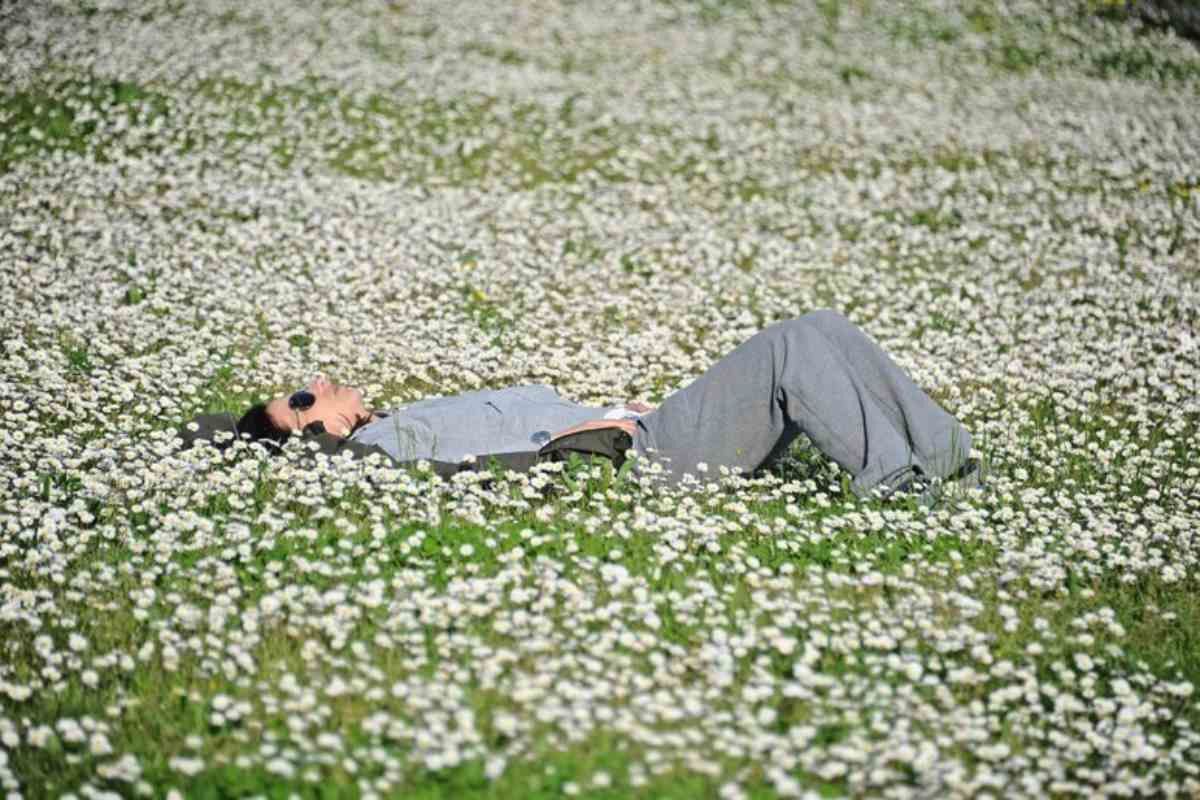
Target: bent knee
<point x="824" y="317"/>
<point x="820" y="321"/>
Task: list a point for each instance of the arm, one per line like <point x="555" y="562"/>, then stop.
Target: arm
<point x="206" y="427"/>
<point x="331" y="444"/>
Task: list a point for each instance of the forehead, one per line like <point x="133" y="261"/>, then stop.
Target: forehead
<point x="279" y="412"/>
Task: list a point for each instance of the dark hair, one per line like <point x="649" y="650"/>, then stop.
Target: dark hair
<point x="257" y="424"/>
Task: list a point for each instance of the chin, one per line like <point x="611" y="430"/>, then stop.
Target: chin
<point x="358" y="400"/>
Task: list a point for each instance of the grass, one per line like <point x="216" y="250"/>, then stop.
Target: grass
<point x="70" y="115"/>
<point x="1159" y="621"/>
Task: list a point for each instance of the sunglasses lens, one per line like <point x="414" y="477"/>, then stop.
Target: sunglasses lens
<point x="301" y="401"/>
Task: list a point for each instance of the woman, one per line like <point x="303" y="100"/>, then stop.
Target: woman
<point x="819" y="375"/>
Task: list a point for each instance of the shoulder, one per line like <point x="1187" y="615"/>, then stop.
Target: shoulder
<point x="535" y="391"/>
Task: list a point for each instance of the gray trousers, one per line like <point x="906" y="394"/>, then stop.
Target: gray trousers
<point x="819" y="375"/>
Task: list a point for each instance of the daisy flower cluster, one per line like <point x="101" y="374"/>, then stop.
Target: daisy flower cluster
<point x="203" y="204"/>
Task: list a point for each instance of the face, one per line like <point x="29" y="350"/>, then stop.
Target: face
<point x="340" y="408"/>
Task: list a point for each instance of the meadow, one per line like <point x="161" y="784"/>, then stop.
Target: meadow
<point x="206" y="203"/>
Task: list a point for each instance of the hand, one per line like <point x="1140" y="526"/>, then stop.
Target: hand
<point x="627" y="425"/>
<point x="638" y="406"/>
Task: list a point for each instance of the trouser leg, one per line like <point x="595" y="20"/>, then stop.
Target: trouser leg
<point x="940" y="442"/>
<point x="818" y="375"/>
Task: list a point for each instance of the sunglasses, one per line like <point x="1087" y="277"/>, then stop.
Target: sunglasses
<point x="302" y="400"/>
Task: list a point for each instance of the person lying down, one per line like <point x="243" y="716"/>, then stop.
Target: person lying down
<point x="819" y="375"/>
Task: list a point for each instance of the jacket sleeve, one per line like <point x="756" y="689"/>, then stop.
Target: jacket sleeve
<point x="333" y="445"/>
<point x="610" y="443"/>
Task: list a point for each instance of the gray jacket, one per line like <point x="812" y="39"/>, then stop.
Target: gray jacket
<point x="513" y="420"/>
